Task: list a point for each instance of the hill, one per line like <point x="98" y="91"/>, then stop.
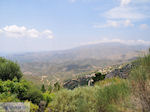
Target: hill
<point x="126" y="91"/>
<point x="73" y="62"/>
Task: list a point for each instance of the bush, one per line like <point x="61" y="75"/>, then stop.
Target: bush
<point x="9" y="70"/>
<point x="139" y="78"/>
<point x="33" y="107"/>
<point x="111" y="95"/>
<point x="78" y="100"/>
<point x="48" y="97"/>
<point x="109" y="81"/>
<point x="34" y="95"/>
<point x="98" y="77"/>
<point x="91" y="99"/>
<point x="18" y="88"/>
<point x="23" y="90"/>
<point x="43" y="88"/>
<point x="8" y="97"/>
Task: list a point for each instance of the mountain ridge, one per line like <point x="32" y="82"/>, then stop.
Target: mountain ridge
<point x="69" y="63"/>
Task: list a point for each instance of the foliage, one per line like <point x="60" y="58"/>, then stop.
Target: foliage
<point x="57" y="86"/>
<point x="9" y="70"/>
<point x="105" y="96"/>
<point x="73" y="101"/>
<point x="109" y="81"/>
<point x="22" y="90"/>
<point x="8" y="97"/>
<point x="139" y="78"/>
<point x="90" y="99"/>
<point x="98" y="77"/>
<point x="110" y="95"/>
<point x="33" y="107"/>
<point x="43" y="88"/>
<point x="48" y="97"/>
<point x="50" y="88"/>
<point x="34" y="95"/>
<point x="18" y="88"/>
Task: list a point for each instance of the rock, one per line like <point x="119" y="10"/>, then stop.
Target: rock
<point x="71" y="84"/>
<point x="122" y="72"/>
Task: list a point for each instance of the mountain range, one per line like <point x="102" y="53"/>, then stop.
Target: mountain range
<point x="65" y="64"/>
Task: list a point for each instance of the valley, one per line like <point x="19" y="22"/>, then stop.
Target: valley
<point x="72" y="63"/>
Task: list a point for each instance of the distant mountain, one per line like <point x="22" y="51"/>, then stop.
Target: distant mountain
<point x="68" y="63"/>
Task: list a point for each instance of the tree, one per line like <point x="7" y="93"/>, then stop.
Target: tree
<point x="34" y="95"/>
<point x="50" y="88"/>
<point x="98" y="77"/>
<point x="43" y="88"/>
<point x="57" y="86"/>
<point x="9" y="70"/>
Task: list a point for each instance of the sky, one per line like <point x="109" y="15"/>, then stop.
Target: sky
<point x="45" y="25"/>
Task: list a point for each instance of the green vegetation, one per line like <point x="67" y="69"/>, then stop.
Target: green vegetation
<point x="98" y="77"/>
<point x="9" y="70"/>
<point x="43" y="88"/>
<point x="110" y="95"/>
<point x="107" y="95"/>
<point x="15" y="89"/>
<point x="140" y="78"/>
<point x="90" y="99"/>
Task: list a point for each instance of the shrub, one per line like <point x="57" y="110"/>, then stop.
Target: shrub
<point x="33" y="107"/>
<point x="109" y="81"/>
<point x="43" y="88"/>
<point x="23" y="90"/>
<point x="78" y="100"/>
<point x="111" y="95"/>
<point x="98" y="77"/>
<point x="8" y="97"/>
<point x="57" y="86"/>
<point x="34" y="95"/>
<point x="90" y="99"/>
<point x="9" y="70"/>
<point x="48" y="97"/>
<point x="18" y="88"/>
<point x="139" y="78"/>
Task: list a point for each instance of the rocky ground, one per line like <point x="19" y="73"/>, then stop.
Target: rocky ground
<point x="121" y="71"/>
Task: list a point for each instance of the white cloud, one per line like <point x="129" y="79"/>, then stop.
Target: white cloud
<point x="15" y="31"/>
<point x="109" y="23"/>
<point x="125" y="2"/>
<point x="1" y="31"/>
<point x="144" y="26"/>
<point x="115" y="24"/>
<point x="33" y="33"/>
<point x="124" y="13"/>
<point x="127" y="42"/>
<point x="72" y="1"/>
<point x="128" y="23"/>
<point x="48" y="33"/>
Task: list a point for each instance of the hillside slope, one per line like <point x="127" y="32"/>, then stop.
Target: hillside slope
<point x="70" y="63"/>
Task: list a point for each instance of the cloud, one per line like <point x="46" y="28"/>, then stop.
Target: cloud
<point x="144" y="26"/>
<point x="15" y="31"/>
<point x="125" y="2"/>
<point x="109" y="23"/>
<point x="124" y="13"/>
<point x="115" y="24"/>
<point x="72" y="1"/>
<point x="127" y="23"/>
<point x="127" y="42"/>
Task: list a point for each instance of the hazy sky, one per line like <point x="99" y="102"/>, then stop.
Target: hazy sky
<point x="39" y="25"/>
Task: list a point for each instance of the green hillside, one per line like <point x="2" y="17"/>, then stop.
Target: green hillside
<point x="115" y="94"/>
